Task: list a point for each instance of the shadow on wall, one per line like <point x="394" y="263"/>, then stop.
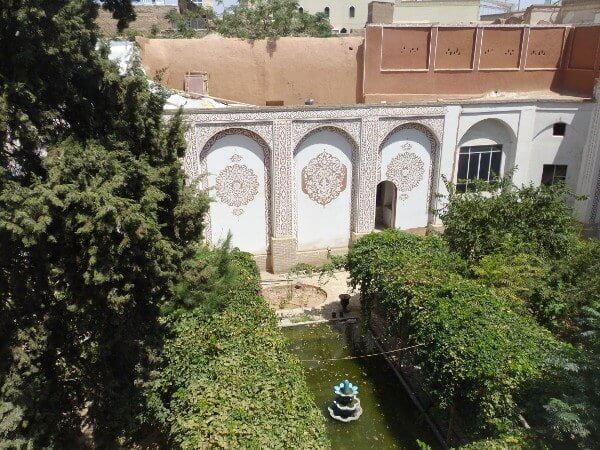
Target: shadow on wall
<point x="360" y="64"/>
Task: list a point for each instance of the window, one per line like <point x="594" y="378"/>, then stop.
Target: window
<point x="559" y="129"/>
<point x="326" y="11"/>
<point x="301" y="10"/>
<point x="553" y="173"/>
<point x="351" y="11"/>
<point x="479" y="162"/>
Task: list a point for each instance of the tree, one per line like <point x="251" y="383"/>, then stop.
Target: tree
<point x="92" y="235"/>
<point x="261" y="19"/>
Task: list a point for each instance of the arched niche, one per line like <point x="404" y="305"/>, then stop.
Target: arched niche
<point x="324" y="177"/>
<point x="484" y="143"/>
<point x="235" y="163"/>
<point x="408" y="159"/>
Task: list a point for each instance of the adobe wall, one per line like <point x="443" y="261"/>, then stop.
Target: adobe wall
<point x="401" y="61"/>
<point x="582" y="60"/>
<point x="474" y="60"/>
<point x="286" y="69"/>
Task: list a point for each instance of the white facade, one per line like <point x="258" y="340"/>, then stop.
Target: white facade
<point x="436" y="11"/>
<point x="344" y="15"/>
<point x="310" y="179"/>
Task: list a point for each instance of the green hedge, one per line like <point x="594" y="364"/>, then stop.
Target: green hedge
<point x="228" y="380"/>
<point x="477" y="352"/>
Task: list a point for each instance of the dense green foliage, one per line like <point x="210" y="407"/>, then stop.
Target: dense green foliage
<point x="252" y="19"/>
<point x="525" y="245"/>
<point x="506" y="305"/>
<point x="476" y="352"/>
<point x="187" y="23"/>
<point x="261" y="19"/>
<point x="534" y="218"/>
<point x="227" y="377"/>
<point x="92" y="236"/>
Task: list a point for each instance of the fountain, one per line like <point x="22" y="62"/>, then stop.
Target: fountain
<point x="346" y="405"/>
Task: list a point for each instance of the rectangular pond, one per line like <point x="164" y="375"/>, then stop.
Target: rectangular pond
<point x="390" y="420"/>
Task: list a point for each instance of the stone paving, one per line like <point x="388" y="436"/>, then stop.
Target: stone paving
<point x="333" y="285"/>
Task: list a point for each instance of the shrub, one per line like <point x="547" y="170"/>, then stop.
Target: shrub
<point x="476" y="351"/>
<point x="536" y="219"/>
<point x="227" y="378"/>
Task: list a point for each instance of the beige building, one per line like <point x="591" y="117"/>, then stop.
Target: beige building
<point x="436" y="11"/>
<point x="348" y="15"/>
<point x="565" y="12"/>
<point x="344" y="15"/>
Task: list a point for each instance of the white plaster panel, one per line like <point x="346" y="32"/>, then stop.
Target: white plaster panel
<point x="406" y="160"/>
<point x="322" y="221"/>
<point x="240" y="198"/>
<point x="566" y="150"/>
<point x="490" y="131"/>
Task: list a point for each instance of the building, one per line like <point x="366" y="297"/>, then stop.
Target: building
<point x="564" y="12"/>
<point x="395" y="112"/>
<point x="436" y="11"/>
<point x="346" y="16"/>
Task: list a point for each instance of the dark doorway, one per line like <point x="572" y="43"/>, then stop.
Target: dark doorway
<point x="385" y="206"/>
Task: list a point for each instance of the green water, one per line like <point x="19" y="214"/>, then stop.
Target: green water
<point x="389" y="419"/>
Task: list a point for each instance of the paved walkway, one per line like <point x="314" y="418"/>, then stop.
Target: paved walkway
<point x="333" y="285"/>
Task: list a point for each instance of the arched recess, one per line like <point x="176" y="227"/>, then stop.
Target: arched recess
<point x="486" y="150"/>
<point x="236" y="164"/>
<point x="324" y="166"/>
<point x="408" y="158"/>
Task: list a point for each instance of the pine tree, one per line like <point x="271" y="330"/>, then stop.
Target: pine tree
<point x="95" y="224"/>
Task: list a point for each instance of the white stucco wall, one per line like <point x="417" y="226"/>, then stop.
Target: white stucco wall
<point x="437" y="11"/>
<point x="407" y="154"/>
<point x="339" y="12"/>
<point x="566" y="150"/>
<point x="494" y="124"/>
<point x="319" y="217"/>
<point x="323" y="221"/>
<point x="239" y="202"/>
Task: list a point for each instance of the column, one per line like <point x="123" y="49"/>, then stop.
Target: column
<point x="366" y="179"/>
<point x="447" y="154"/>
<point x="283" y="241"/>
<point x="523" y="145"/>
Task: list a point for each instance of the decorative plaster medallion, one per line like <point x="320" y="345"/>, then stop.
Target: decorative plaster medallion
<point x="235" y="158"/>
<point x="236" y="186"/>
<point x="324" y="178"/>
<point x="407" y="146"/>
<point x="406" y="171"/>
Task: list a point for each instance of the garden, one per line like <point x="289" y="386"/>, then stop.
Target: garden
<point x="119" y="328"/>
<point x="504" y="305"/>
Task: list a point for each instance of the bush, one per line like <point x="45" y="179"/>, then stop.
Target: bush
<point x="227" y="378"/>
<point x="536" y="219"/>
<point x="476" y="352"/>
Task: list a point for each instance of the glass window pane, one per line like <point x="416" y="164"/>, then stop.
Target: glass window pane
<point x="548" y="174"/>
<point x="473" y="166"/>
<point x="560" y="172"/>
<point x="463" y="163"/>
<point x="495" y="165"/>
<point x="484" y="166"/>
